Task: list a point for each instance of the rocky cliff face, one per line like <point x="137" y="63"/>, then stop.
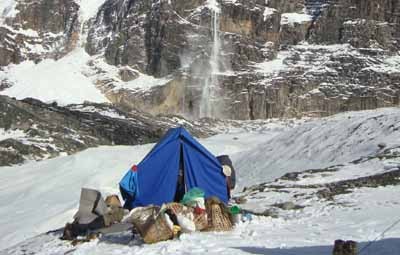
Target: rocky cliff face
<point x="273" y="66"/>
<point x="34" y="30"/>
<point x="273" y="59"/>
<point x="32" y="130"/>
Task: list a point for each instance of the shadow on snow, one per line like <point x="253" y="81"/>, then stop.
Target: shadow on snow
<point x="383" y="247"/>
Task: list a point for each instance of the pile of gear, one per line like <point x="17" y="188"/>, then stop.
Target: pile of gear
<point x="193" y="190"/>
<point x="97" y="216"/>
<point x="193" y="213"/>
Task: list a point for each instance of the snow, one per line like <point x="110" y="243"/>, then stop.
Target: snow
<point x="27" y="32"/>
<point x="53" y="80"/>
<point x="295" y="18"/>
<point x="321" y="143"/>
<point x="108" y="72"/>
<point x="273" y="66"/>
<point x="143" y="82"/>
<point x="44" y="195"/>
<point x="213" y="5"/>
<point x="7" y="134"/>
<point x="268" y="12"/>
<point x="88" y="8"/>
<point x="109" y="112"/>
<point x="390" y="65"/>
<point x="7" y="9"/>
<point x="100" y="168"/>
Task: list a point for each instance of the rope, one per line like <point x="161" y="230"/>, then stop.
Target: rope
<point x="380" y="235"/>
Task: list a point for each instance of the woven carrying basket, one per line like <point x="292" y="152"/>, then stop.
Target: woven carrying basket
<point x="157" y="231"/>
<point x="217" y="219"/>
<point x="176" y="207"/>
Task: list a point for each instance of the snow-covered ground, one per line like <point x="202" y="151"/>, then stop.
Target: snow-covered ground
<point x="38" y="197"/>
<point x="321" y="143"/>
<point x="53" y="186"/>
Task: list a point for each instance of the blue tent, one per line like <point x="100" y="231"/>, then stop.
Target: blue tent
<point x="154" y="180"/>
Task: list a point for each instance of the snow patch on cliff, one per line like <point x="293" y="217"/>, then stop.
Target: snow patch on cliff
<point x="53" y="80"/>
<point x="7" y="134"/>
<point x="89" y="8"/>
<point x="295" y="18"/>
<point x="7" y="9"/>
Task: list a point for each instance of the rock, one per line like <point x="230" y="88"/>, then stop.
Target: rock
<point x="330" y="190"/>
<point x="381" y="146"/>
<point x="363" y="33"/>
<point x="288" y="6"/>
<point x="267" y="67"/>
<point x="48" y="130"/>
<point x="240" y="200"/>
<point x="288" y="206"/>
<point x="127" y="74"/>
<point x="40" y="29"/>
<point x="270" y="213"/>
<point x="292" y="34"/>
<point x="366" y="19"/>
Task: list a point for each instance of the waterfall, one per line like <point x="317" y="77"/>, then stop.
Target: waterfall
<point x="210" y="86"/>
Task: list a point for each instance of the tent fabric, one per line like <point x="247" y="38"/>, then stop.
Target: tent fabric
<point x="157" y="174"/>
<point x="128" y="187"/>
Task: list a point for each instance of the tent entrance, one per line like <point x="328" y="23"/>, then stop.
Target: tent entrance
<point x="181" y="187"/>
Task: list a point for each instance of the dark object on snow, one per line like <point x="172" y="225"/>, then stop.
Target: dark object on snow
<point x="172" y="216"/>
<point x="93" y="214"/>
<point x="73" y="230"/>
<point x="345" y="248"/>
<point x="156" y="176"/>
<point x="226" y="161"/>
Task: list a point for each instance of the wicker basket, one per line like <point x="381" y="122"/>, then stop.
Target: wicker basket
<point x="175" y="207"/>
<point x="218" y="217"/>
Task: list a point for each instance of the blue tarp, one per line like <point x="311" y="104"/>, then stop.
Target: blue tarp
<point x="155" y="179"/>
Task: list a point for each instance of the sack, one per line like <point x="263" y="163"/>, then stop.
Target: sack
<point x="113" y="200"/>
<point x="187" y="225"/>
<point x="192" y="197"/>
<point x="114" y="215"/>
<point x="157" y="231"/>
<point x="151" y="224"/>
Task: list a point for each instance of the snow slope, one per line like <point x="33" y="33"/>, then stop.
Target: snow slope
<point x="310" y="232"/>
<point x="42" y="196"/>
<point x="321" y="143"/>
<point x="53" y="80"/>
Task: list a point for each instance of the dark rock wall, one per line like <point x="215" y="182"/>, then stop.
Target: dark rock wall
<point x="51" y="25"/>
<point x="174" y="39"/>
